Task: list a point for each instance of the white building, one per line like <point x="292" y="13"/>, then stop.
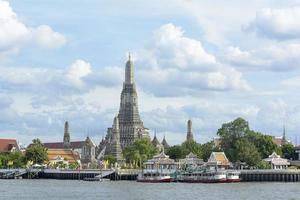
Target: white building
<point x="277" y="162"/>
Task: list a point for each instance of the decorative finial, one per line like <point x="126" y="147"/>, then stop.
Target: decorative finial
<point x="129" y="56"/>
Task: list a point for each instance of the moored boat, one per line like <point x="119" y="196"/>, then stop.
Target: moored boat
<point x="233" y="176"/>
<point x="203" y="176"/>
<point x="155" y="179"/>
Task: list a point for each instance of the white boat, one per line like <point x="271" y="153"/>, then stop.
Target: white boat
<point x="203" y="176"/>
<point x="233" y="176"/>
<point x="159" y="178"/>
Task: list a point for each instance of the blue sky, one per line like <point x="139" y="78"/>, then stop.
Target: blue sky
<point x="210" y="61"/>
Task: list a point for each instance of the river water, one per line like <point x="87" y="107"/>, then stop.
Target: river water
<point x="129" y="190"/>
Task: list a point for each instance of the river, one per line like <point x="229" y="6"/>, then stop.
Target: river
<point x="44" y="189"/>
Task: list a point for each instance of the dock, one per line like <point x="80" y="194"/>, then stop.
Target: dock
<point x="270" y="175"/>
<point x="131" y="174"/>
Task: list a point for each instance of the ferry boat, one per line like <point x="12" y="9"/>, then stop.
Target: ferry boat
<point x="233" y="176"/>
<point x="160" y="169"/>
<point x="203" y="176"/>
<point x="151" y="178"/>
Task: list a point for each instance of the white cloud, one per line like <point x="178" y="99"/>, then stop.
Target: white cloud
<point x="77" y="71"/>
<point x="46" y="38"/>
<point x="278" y="24"/>
<point x="274" y="57"/>
<point x="181" y="66"/>
<point x="14" y="33"/>
<point x="176" y="50"/>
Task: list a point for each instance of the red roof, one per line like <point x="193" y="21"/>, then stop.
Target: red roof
<point x="60" y="145"/>
<point x="6" y="145"/>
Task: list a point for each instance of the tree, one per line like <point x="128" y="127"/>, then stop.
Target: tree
<point x="140" y="151"/>
<point x="110" y="159"/>
<point x="263" y="165"/>
<point x="191" y="146"/>
<point x="247" y="152"/>
<point x="230" y="134"/>
<point x="17" y="158"/>
<point x="288" y="151"/>
<point x="263" y="143"/>
<point x="36" y="152"/>
<point x="3" y="160"/>
<point x="176" y="152"/>
<point x="73" y="165"/>
<point x="207" y="149"/>
<point x="242" y="144"/>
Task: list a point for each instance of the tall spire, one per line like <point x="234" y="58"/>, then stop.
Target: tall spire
<point x="283" y="135"/>
<point x="189" y="135"/>
<point x="67" y="142"/>
<point x="129" y="76"/>
<point x="116" y="150"/>
<point x="165" y="143"/>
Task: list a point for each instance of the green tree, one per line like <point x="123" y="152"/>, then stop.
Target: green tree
<point x="140" y="151"/>
<point x="263" y="143"/>
<point x="247" y="152"/>
<point x="110" y="159"/>
<point x="288" y="151"/>
<point x="242" y="144"/>
<point x="36" y="152"/>
<point x="230" y="134"/>
<point x="263" y="165"/>
<point x="17" y="158"/>
<point x="191" y="146"/>
<point x="73" y="165"/>
<point x="3" y="160"/>
<point x="176" y="152"/>
<point x="207" y="149"/>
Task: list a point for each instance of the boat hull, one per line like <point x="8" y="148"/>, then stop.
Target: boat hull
<point x="165" y="180"/>
<point x="204" y="181"/>
<point x="233" y="180"/>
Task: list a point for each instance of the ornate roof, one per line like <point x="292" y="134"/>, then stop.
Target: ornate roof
<point x="68" y="155"/>
<point x="275" y="159"/>
<point x="191" y="159"/>
<point x="219" y="158"/>
<point x="191" y="155"/>
<point x="164" y="143"/>
<point x="161" y="158"/>
<point x="155" y="141"/>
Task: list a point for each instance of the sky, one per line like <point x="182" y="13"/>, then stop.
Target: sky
<point x="206" y="60"/>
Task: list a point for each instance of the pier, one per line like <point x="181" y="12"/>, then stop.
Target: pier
<point x="270" y="175"/>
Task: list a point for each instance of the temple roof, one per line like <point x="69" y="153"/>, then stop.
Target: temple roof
<point x="161" y="158"/>
<point x="165" y="143"/>
<point x="275" y="159"/>
<point x="155" y="141"/>
<point x="219" y="158"/>
<point x="66" y="154"/>
<point x="60" y="145"/>
<point x="6" y="145"/>
<point x="191" y="155"/>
